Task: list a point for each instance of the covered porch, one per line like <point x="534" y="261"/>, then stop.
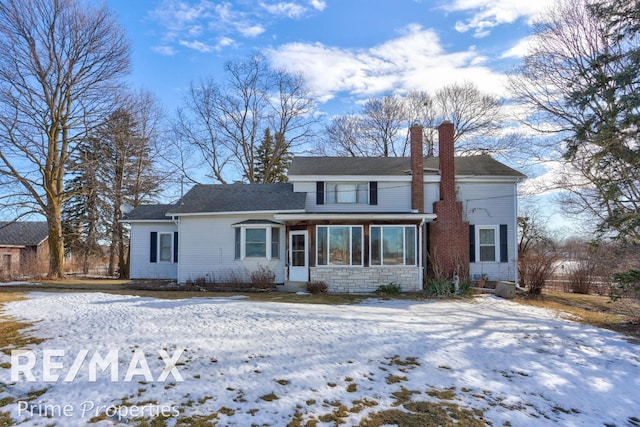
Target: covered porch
<point x="355" y="252"/>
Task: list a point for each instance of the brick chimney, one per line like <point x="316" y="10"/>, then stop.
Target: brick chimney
<point x="446" y="162"/>
<point x="417" y="169"/>
<point x="448" y="234"/>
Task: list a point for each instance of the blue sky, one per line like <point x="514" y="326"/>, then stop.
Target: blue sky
<point x="349" y="50"/>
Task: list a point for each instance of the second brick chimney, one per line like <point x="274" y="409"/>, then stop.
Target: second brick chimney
<point x="446" y="162"/>
<point x="417" y="169"/>
<point x="449" y="234"/>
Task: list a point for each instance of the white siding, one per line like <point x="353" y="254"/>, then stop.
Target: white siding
<point x="207" y="249"/>
<point x="393" y="196"/>
<point x="431" y="195"/>
<point x="492" y="204"/>
<point x="141" y="267"/>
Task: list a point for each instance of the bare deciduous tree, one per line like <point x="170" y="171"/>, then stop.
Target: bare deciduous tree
<point x="380" y="130"/>
<point x="60" y="63"/>
<point x="344" y="137"/>
<point x="472" y="113"/>
<point x="224" y="123"/>
<point x="580" y="80"/>
<point x="383" y="119"/>
<point x="537" y="255"/>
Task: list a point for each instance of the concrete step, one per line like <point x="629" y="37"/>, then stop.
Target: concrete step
<point x="293" y="287"/>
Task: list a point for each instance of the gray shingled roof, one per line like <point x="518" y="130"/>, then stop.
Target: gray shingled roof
<point x="482" y="165"/>
<point x="221" y="198"/>
<point x="148" y="212"/>
<point x="28" y="233"/>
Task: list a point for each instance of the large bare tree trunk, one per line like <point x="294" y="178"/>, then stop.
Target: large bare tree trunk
<point x="60" y="65"/>
<point x="56" y="244"/>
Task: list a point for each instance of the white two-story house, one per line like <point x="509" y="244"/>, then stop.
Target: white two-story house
<point x="353" y="223"/>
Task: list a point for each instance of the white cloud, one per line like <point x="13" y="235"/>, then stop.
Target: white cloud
<point x="196" y="45"/>
<point x="414" y="61"/>
<point x="196" y="25"/>
<point x="557" y="177"/>
<point x="288" y="9"/>
<point x="251" y="31"/>
<point x="520" y="49"/>
<point x="164" y="50"/>
<point x="180" y="16"/>
<point x="318" y="4"/>
<point x="488" y="14"/>
<point x="225" y="42"/>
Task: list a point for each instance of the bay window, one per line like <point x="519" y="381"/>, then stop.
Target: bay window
<point x="257" y="242"/>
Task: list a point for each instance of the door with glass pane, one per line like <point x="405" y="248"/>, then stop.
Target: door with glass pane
<point x="298" y="256"/>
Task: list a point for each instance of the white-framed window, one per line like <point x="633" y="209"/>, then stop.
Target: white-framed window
<point x="257" y="242"/>
<point x="347" y="192"/>
<point x="393" y="245"/>
<point x="165" y="247"/>
<point x="339" y="245"/>
<point x="487" y="247"/>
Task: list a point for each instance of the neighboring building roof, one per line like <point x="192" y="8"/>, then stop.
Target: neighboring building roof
<point x="221" y="198"/>
<point x="481" y="165"/>
<point x="148" y="212"/>
<point x="28" y="233"/>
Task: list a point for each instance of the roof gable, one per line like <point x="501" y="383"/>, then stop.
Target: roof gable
<point x="28" y="233"/>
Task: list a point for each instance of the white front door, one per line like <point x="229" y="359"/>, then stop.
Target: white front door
<point x="298" y="256"/>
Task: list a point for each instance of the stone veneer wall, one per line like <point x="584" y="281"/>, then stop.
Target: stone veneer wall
<point x="366" y="279"/>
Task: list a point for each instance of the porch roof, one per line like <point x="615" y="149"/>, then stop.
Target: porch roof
<point x="363" y="216"/>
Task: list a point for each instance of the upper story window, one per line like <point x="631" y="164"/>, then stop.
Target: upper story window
<point x="347" y="192"/>
<point x="365" y="193"/>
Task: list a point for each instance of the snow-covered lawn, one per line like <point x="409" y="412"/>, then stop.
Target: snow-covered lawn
<point x="256" y="363"/>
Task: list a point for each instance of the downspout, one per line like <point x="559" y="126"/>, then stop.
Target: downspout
<point x="176" y="221"/>
<point x="515" y="233"/>
<point x="420" y="252"/>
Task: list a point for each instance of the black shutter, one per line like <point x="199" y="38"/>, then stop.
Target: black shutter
<point x="320" y="193"/>
<point x="472" y="243"/>
<point x="153" y="249"/>
<point x="373" y="193"/>
<point x="504" y="255"/>
<point x="175" y="246"/>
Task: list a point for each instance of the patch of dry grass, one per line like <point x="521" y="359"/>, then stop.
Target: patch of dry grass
<point x="620" y="316"/>
<point x="12" y="334"/>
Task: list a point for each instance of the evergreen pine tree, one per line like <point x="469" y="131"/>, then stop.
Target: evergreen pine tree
<point x="272" y="159"/>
